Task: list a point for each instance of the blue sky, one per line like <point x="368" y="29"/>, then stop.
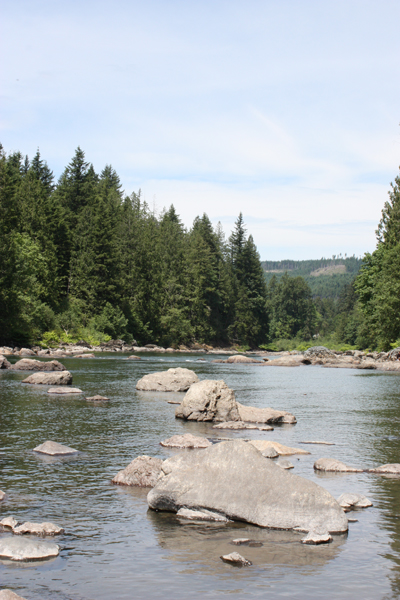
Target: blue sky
<point x="285" y="110"/>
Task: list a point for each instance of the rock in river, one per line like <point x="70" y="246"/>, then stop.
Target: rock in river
<point x="334" y="466"/>
<point x="54" y="449"/>
<point x="267" y="495"/>
<point x="173" y="380"/>
<point x="28" y="364"/>
<point x="319" y="536"/>
<point x="234" y="558"/>
<point x="389" y="469"/>
<point x="97" y="398"/>
<point x="264" y="415"/>
<point x="9" y="522"/>
<point x="209" y="400"/>
<point x="237" y="425"/>
<point x="263" y="445"/>
<point x="186" y="441"/>
<point x="64" y="390"/>
<point x="350" y="501"/>
<point x="241" y="359"/>
<point x="9" y="595"/>
<point x="41" y="529"/>
<point x="143" y="471"/>
<point x="4" y="363"/>
<point x="20" y="549"/>
<point x="2" y="495"/>
<point x="58" y="378"/>
<point x="201" y="515"/>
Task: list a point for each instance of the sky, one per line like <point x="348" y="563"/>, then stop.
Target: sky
<point x="283" y="110"/>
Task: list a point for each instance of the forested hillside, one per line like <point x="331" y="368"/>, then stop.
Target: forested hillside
<point x="79" y="259"/>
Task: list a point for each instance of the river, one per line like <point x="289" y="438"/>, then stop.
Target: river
<point x="114" y="547"/>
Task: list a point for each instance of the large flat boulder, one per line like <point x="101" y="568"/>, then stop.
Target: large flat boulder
<point x="209" y="400"/>
<point x="173" y="380"/>
<point x="29" y="364"/>
<point x="58" y="378"/>
<point x="20" y="549"/>
<point x="187" y="440"/>
<point x="143" y="471"/>
<point x="264" y="415"/>
<point x="54" y="449"/>
<point x="40" y="529"/>
<point x="389" y="469"/>
<point x="267" y="496"/>
<point x="334" y="466"/>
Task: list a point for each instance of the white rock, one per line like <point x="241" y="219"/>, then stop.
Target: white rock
<point x="241" y="541"/>
<point x="27" y="352"/>
<point x="234" y="558"/>
<point x="2" y="495"/>
<point x="9" y="595"/>
<point x="315" y="537"/>
<point x="54" y="449"/>
<point x="389" y="469"/>
<point x="41" y="529"/>
<point x="263" y="445"/>
<point x="9" y="522"/>
<point x="173" y="380"/>
<point x="354" y="501"/>
<point x="55" y="378"/>
<point x="201" y="515"/>
<point x="335" y="466"/>
<point x="209" y="400"/>
<point x="20" y="549"/>
<point x="186" y="441"/>
<point x="66" y="390"/>
<point x="264" y="415"/>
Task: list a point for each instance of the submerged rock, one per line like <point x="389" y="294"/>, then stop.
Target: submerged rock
<point x="28" y="364"/>
<point x="321" y="443"/>
<point x="350" y="501"/>
<point x="58" y="378"/>
<point x="234" y="558"/>
<point x="143" y="471"/>
<point x="41" y="529"/>
<point x="236" y="425"/>
<point x="173" y="380"/>
<point x="267" y="495"/>
<point x="133" y="357"/>
<point x="389" y="469"/>
<point x="283" y="463"/>
<point x="264" y="415"/>
<point x="98" y="399"/>
<point x="334" y="466"/>
<point x="20" y="549"/>
<point x="186" y="441"/>
<point x="209" y="400"/>
<point x="315" y="537"/>
<point x="201" y="515"/>
<point x="263" y="445"/>
<point x="60" y="390"/>
<point x="54" y="449"/>
<point x="269" y="452"/>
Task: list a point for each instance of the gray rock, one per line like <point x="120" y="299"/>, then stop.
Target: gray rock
<point x="270" y="452"/>
<point x="9" y="595"/>
<point x="173" y="380"/>
<point x="41" y="529"/>
<point x="9" y="522"/>
<point x="133" y="357"/>
<point x="334" y="466"/>
<point x="54" y="449"/>
<point x="263" y="445"/>
<point x="317" y="536"/>
<point x="28" y="364"/>
<point x="389" y="469"/>
<point x="283" y="463"/>
<point x="2" y="495"/>
<point x="65" y="390"/>
<point x="319" y="352"/>
<point x="59" y="378"/>
<point x="350" y="501"/>
<point x="44" y="352"/>
<point x="287" y="361"/>
<point x="241" y="541"/>
<point x="241" y="359"/>
<point x="186" y="440"/>
<point x="27" y="352"/>
<point x="209" y="400"/>
<point x="234" y="558"/>
<point x="143" y="471"/>
<point x="4" y="363"/>
<point x="264" y="415"/>
<point x="98" y="398"/>
<point x="6" y="350"/>
<point x="267" y="495"/>
<point x="201" y="515"/>
<point x="20" y="549"/>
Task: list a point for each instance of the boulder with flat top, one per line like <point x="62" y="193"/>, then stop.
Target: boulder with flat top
<point x="56" y="378"/>
<point x="209" y="400"/>
<point x="29" y="364"/>
<point x="173" y="380"/>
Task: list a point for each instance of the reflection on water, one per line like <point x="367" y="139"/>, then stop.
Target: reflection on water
<point x="115" y="548"/>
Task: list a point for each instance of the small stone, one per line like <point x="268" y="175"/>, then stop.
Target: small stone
<point x="98" y="399"/>
<point x="60" y="390"/>
<point x="390" y="469"/>
<point x="41" y="529"/>
<point x="317" y="537"/>
<point x="349" y="520"/>
<point x="20" y="549"/>
<point x="54" y="449"/>
<point x="2" y="495"/>
<point x="334" y="466"/>
<point x="201" y="515"/>
<point x="265" y="428"/>
<point x="234" y="558"/>
<point x="9" y="522"/>
<point x="350" y="501"/>
<point x="241" y="541"/>
<point x="133" y="357"/>
<point x="186" y="441"/>
<point x="270" y="452"/>
<point x="173" y="402"/>
<point x="9" y="595"/>
<point x="283" y="463"/>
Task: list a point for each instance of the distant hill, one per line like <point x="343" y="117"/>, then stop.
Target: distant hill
<point x="326" y="276"/>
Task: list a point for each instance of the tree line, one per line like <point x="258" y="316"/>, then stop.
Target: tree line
<point x="81" y="259"/>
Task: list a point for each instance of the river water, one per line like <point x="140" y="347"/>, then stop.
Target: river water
<point x="114" y="547"/>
